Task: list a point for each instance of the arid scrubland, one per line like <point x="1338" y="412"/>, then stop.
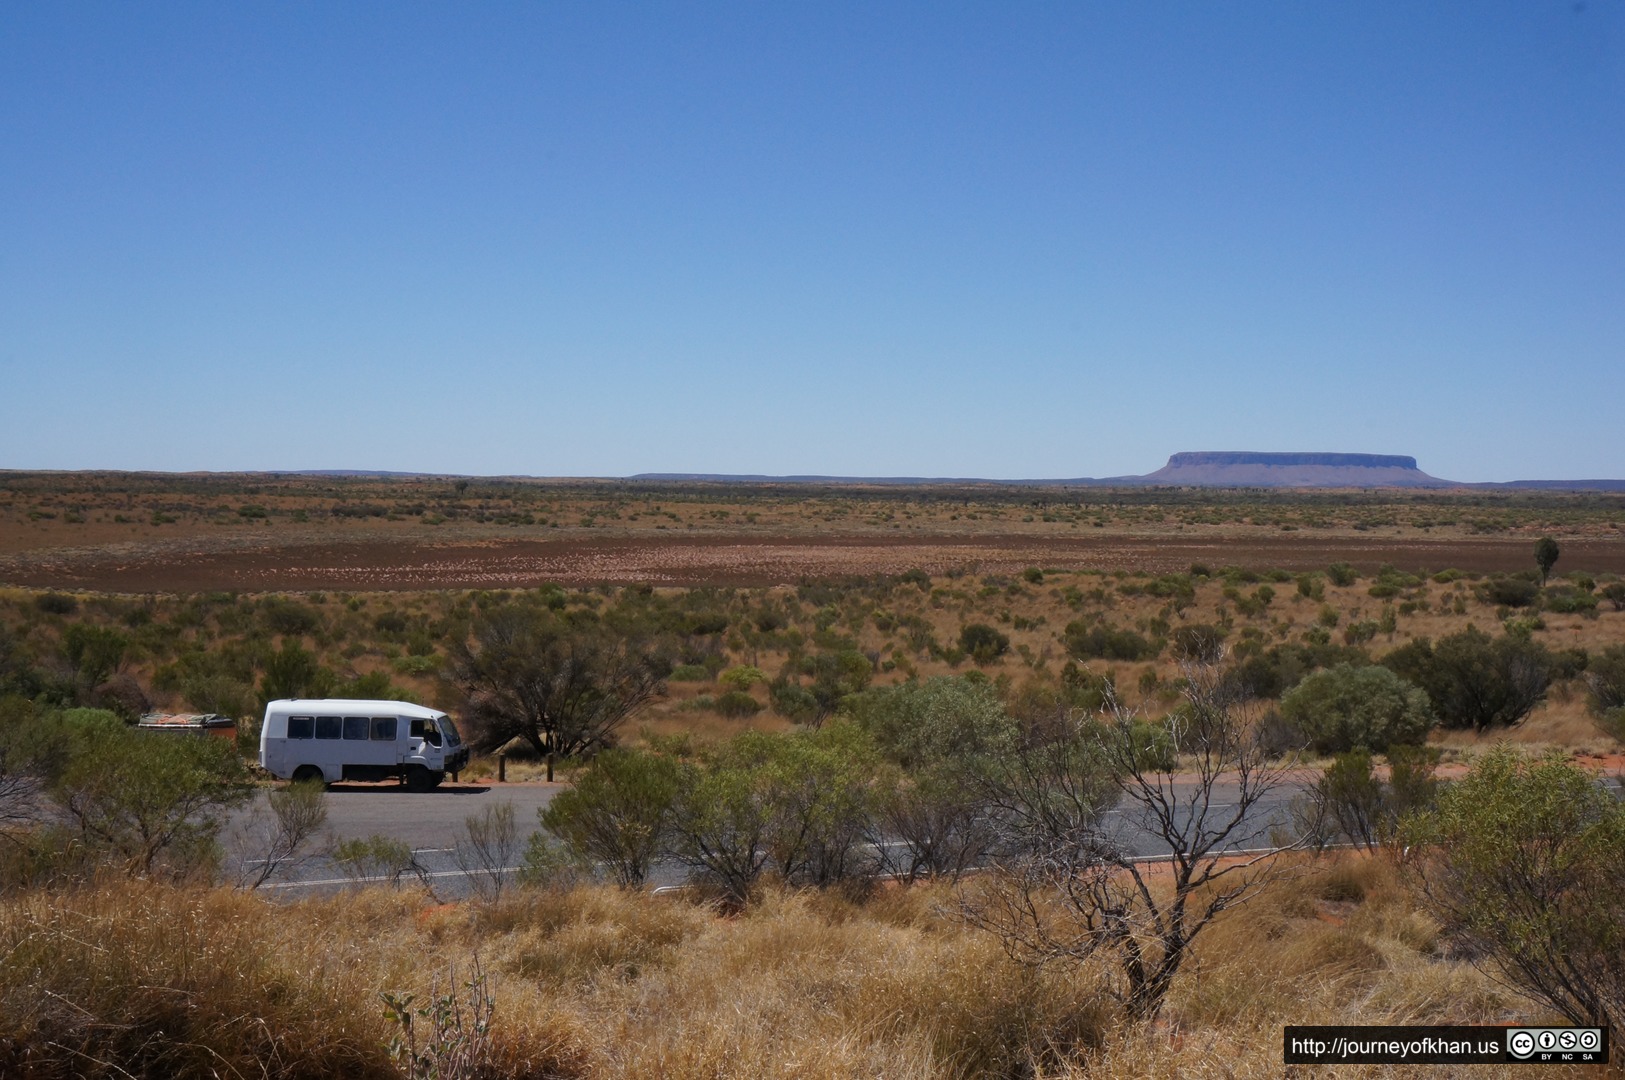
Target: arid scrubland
<point x="109" y="973"/>
<point x="167" y="981"/>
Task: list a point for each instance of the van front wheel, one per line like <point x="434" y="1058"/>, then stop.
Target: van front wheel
<point x="420" y="779"/>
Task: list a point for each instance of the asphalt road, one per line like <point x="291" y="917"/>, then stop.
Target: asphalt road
<point x="433" y="823"/>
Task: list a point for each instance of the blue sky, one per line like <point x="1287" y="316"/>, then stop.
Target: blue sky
<point x="997" y="240"/>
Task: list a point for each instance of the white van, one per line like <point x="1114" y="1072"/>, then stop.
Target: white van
<point x="335" y="739"/>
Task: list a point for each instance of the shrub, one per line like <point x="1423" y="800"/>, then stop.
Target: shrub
<point x="617" y="813"/>
<point x="942" y="719"/>
<point x="795" y="803"/>
<point x="1351" y="802"/>
<point x="1199" y="643"/>
<point x="690" y="673"/>
<point x="984" y="643"/>
<point x="1570" y="601"/>
<point x="152" y="802"/>
<point x="736" y="705"/>
<point x="1474" y="681"/>
<point x="792" y="700"/>
<point x="1523" y="862"/>
<point x="742" y="678"/>
<point x="1605" y="678"/>
<point x="1614" y="592"/>
<point x="1364" y="708"/>
<point x="1105" y="642"/>
<point x="56" y="603"/>
<point x="1509" y="592"/>
<point x="288" y="617"/>
<point x="1342" y="574"/>
<point x="1151" y="747"/>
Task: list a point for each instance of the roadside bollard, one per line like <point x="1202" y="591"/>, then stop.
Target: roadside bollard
<point x="502" y="768"/>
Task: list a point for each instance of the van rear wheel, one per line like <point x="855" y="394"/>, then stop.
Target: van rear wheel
<point x="308" y="774"/>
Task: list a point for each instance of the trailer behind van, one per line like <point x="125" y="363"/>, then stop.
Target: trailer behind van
<point x="337" y="739"/>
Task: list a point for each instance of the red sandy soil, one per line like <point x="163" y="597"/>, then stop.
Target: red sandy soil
<point x="200" y="563"/>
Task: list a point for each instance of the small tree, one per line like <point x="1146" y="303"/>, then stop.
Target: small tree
<point x="564" y="689"/>
<point x="1069" y="890"/>
<point x="93" y="652"/>
<point x="486" y="850"/>
<point x="1474" y="681"/>
<point x="1523" y="861"/>
<point x="723" y="817"/>
<point x="292" y="672"/>
<point x="617" y="813"/>
<point x="1546" y="553"/>
<point x="798" y="804"/>
<point x="1350" y="801"/>
<point x="943" y="736"/>
<point x="152" y="801"/>
<point x="32" y="748"/>
<point x="279" y="831"/>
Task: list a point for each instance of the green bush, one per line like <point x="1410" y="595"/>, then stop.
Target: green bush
<point x="942" y="719"/>
<point x="1569" y="601"/>
<point x="1523" y="863"/>
<point x="1104" y="642"/>
<point x="1474" y="681"/>
<point x="152" y="802"/>
<point x="56" y="603"/>
<point x="1356" y="805"/>
<point x="983" y="643"/>
<point x="616" y="813"/>
<point x="1199" y="643"/>
<point x="1151" y="747"/>
<point x="1342" y="574"/>
<point x="690" y="673"/>
<point x="736" y="705"/>
<point x="1509" y="592"/>
<point x="288" y="617"/>
<point x="1605" y="678"/>
<point x="1357" y="708"/>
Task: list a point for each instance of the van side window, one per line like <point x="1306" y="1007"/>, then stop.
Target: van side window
<point x="301" y="727"/>
<point x="383" y="728"/>
<point x="329" y="727"/>
<point x="355" y="727"/>
<point x="423" y="729"/>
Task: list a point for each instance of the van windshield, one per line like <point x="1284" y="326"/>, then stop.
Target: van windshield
<point x="450" y="730"/>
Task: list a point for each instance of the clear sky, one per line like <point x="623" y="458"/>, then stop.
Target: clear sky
<point x="1004" y="240"/>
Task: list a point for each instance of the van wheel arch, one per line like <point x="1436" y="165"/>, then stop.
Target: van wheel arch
<point x="304" y="774"/>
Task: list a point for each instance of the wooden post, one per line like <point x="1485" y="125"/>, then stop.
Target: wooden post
<point x="550" y="766"/>
<point x="502" y="768"/>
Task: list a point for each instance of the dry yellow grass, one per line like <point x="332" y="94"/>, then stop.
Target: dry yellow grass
<point x="595" y="983"/>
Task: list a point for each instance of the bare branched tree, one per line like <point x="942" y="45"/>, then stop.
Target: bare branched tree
<point x="488" y="848"/>
<point x="562" y="688"/>
<point x="1070" y="886"/>
<point x="278" y="831"/>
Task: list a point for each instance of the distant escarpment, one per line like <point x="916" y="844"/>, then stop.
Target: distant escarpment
<point x="1228" y="468"/>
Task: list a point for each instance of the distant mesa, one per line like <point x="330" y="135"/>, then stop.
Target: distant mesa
<point x="1206" y="468"/>
<point x="1236" y="468"/>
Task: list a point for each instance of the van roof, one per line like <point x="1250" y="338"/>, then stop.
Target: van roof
<point x="353" y="706"/>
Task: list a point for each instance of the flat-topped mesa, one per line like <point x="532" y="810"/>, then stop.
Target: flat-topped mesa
<point x="1244" y="468"/>
<point x="1335" y="461"/>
